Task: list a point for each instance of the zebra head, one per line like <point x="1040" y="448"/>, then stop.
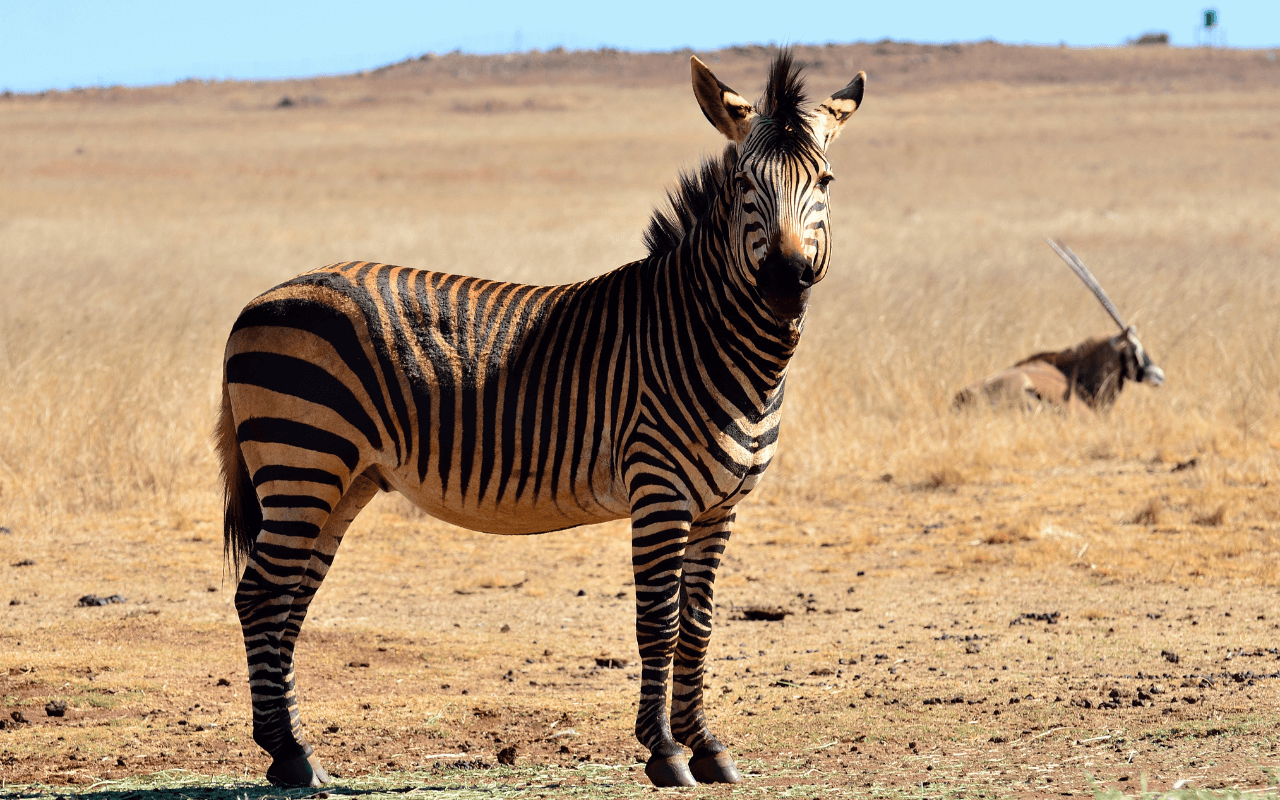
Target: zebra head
<point x="779" y="226"/>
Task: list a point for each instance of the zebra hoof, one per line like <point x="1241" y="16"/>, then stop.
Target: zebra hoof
<point x="714" y="768"/>
<point x="297" y="772"/>
<point x="669" y="771"/>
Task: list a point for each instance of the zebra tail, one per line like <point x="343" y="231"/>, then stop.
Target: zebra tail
<point x="242" y="517"/>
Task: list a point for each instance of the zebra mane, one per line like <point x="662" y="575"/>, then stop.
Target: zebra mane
<point x="784" y="100"/>
<point x="688" y="202"/>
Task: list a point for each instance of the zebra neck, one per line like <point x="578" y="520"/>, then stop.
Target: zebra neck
<point x="729" y="326"/>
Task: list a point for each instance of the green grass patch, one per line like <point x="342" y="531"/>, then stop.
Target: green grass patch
<point x="787" y="779"/>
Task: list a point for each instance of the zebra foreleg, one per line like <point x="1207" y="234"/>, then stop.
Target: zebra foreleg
<point x="711" y="762"/>
<point x="660" y="528"/>
<point x="283" y="576"/>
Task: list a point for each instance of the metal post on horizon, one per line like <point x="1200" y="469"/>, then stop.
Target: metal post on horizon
<point x="1208" y="33"/>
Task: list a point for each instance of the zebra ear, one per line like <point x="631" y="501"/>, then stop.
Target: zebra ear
<point x="722" y="106"/>
<point x="831" y="115"/>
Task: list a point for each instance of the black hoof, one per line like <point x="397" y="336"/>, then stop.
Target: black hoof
<point x="297" y="771"/>
<point x="669" y="771"/>
<point x="714" y="768"/>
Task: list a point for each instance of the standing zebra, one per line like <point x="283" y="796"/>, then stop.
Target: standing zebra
<point x="653" y="391"/>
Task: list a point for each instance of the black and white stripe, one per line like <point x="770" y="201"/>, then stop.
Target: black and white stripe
<point x="653" y="391"/>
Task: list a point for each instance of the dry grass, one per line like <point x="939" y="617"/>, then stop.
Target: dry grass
<point x="1149" y="514"/>
<point x="135" y="225"/>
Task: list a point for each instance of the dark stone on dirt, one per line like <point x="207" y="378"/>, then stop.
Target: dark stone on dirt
<point x="357" y="663"/>
<point x="55" y="708"/>
<point x="90" y="600"/>
<point x="223" y="682"/>
<point x="581" y="593"/>
<point x="467" y="764"/>
<point x="505" y="628"/>
<point x="1082" y="702"/>
<point x="973" y="647"/>
<point x="1050" y="617"/>
<point x="26" y="562"/>
<point x="507" y="756"/>
<point x="285" y="102"/>
<point x="4" y="530"/>
<point x="931" y="701"/>
<point x="887" y="477"/>
<point x="1190" y="463"/>
<point x="611" y="663"/>
<point x="762" y="614"/>
<point x="1170" y="656"/>
<point x="15" y="602"/>
<point x="18" y="717"/>
<point x="997" y="740"/>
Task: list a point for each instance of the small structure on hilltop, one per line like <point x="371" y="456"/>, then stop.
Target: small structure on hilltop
<point x="1156" y="38"/>
<point x="1085" y="378"/>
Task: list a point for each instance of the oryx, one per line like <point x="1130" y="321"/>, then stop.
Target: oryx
<point x="1086" y="377"/>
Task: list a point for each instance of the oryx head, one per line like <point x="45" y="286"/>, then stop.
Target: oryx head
<point x="1135" y="363"/>
<point x="779" y="210"/>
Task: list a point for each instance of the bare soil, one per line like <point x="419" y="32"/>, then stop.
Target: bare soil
<point x="920" y="647"/>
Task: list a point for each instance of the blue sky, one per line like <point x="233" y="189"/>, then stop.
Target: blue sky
<point x="46" y="44"/>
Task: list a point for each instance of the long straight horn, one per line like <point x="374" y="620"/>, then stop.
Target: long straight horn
<point x="1081" y="271"/>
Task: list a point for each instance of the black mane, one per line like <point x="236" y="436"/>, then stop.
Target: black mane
<point x="783" y="106"/>
<point x="784" y="100"/>
<point x="688" y="202"/>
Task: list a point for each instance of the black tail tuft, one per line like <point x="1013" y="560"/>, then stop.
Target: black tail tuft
<point x="242" y="518"/>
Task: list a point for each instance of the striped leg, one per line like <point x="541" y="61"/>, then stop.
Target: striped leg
<point x="711" y="762"/>
<point x="660" y="522"/>
<point x="299" y="539"/>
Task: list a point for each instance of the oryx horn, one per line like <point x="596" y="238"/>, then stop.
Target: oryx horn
<point x="1081" y="271"/>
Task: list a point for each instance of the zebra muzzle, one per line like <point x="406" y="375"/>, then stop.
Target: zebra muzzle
<point x="784" y="281"/>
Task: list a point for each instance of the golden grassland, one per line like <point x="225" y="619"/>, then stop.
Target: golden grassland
<point x="133" y="231"/>
<point x="134" y="225"/>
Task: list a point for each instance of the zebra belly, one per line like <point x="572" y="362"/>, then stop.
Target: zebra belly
<point x="510" y="515"/>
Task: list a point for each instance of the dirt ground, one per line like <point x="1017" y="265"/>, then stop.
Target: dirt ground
<point x="922" y="648"/>
<point x="975" y="606"/>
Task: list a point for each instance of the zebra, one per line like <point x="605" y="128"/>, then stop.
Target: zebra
<point x="652" y="392"/>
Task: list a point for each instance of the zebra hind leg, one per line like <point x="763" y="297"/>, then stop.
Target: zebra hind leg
<point x="711" y="762"/>
<point x="290" y="560"/>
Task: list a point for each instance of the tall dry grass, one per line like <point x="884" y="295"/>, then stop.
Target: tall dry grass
<point x="133" y="232"/>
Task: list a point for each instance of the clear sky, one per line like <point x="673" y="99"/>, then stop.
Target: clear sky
<point x="46" y="44"/>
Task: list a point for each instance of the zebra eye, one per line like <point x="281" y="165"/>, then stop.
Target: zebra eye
<point x="825" y="181"/>
<point x="743" y="182"/>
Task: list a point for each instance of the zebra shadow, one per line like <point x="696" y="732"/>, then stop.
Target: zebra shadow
<point x="195" y="787"/>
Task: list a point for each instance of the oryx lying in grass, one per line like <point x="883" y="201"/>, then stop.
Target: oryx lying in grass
<point x="1085" y="378"/>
